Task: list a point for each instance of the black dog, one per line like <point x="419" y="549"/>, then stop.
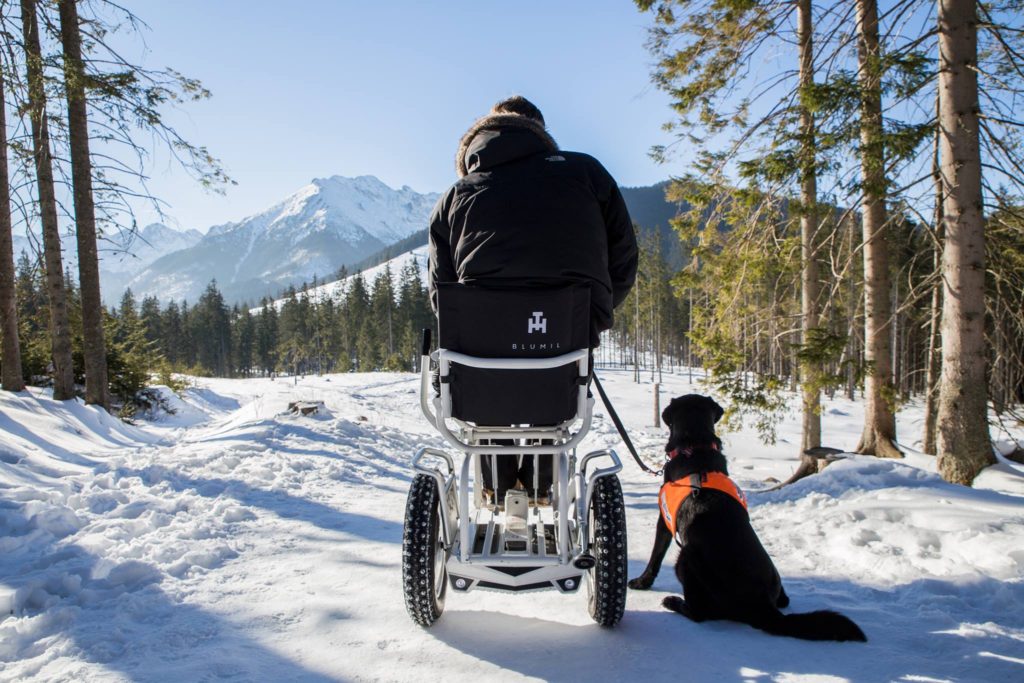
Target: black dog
<point x="725" y="571"/>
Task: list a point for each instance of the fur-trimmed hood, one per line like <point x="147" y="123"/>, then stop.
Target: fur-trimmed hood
<point x="495" y="122"/>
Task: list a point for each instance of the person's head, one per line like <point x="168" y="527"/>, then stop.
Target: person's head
<point x="517" y="104"/>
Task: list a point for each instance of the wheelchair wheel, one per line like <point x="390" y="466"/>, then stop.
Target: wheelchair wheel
<point x="424" y="576"/>
<point x="606" y="584"/>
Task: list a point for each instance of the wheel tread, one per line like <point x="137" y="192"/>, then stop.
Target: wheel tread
<point x="607" y="600"/>
<point x="419" y="538"/>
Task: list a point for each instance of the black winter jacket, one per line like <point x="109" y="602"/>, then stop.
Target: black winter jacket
<point x="526" y="214"/>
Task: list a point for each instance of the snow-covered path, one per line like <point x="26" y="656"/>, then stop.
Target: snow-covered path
<point x="234" y="541"/>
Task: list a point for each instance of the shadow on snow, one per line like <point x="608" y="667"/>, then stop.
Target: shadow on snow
<point x="923" y="629"/>
<point x="121" y="618"/>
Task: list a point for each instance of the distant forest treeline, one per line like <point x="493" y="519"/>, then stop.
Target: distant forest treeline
<point x="368" y="325"/>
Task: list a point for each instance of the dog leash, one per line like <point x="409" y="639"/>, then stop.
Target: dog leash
<point x="622" y="430"/>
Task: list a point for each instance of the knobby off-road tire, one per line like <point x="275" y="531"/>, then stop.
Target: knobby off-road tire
<point x="606" y="594"/>
<point x="424" y="576"/>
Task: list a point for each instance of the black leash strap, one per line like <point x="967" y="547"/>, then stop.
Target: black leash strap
<point x="622" y="430"/>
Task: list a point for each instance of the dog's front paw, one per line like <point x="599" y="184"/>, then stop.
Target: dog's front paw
<point x="641" y="583"/>
<point x="674" y="603"/>
<point x="678" y="605"/>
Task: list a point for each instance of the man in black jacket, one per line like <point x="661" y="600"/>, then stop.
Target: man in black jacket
<point x="524" y="213"/>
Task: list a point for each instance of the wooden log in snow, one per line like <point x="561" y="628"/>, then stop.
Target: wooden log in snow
<point x="305" y="407"/>
<point x="812" y="461"/>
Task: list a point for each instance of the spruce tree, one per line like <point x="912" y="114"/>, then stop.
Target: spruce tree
<point x="243" y="338"/>
<point x="60" y="332"/>
<point x="356" y="313"/>
<point x="211" y="327"/>
<point x="964" y="445"/>
<point x="85" y="213"/>
<point x="11" y="378"/>
<point x="33" y="318"/>
<point x="267" y="338"/>
<point x="879" y="436"/>
<point x="171" y="335"/>
<point x="152" y="320"/>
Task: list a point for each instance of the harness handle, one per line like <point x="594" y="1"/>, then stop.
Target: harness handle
<point x="622" y="430"/>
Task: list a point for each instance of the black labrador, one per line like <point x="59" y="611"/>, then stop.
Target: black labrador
<point x="725" y="571"/>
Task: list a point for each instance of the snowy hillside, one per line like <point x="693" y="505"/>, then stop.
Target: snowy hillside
<point x="336" y="288"/>
<point x="327" y="224"/>
<point x="232" y="540"/>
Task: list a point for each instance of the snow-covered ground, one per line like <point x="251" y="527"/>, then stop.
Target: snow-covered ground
<point x="234" y="541"/>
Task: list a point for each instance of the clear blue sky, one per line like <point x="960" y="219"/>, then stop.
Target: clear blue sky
<point x="312" y="88"/>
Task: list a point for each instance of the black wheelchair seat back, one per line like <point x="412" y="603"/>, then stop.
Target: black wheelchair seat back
<point x="498" y="322"/>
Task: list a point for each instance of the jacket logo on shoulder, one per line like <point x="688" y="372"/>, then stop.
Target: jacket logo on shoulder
<point x="538" y="323"/>
<point x="557" y="157"/>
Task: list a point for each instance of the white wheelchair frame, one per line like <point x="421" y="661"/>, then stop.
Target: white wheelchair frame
<point x="473" y="531"/>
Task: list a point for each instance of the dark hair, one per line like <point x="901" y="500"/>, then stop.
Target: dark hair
<point x="517" y="104"/>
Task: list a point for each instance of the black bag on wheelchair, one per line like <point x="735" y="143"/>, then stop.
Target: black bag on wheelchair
<point x="499" y="322"/>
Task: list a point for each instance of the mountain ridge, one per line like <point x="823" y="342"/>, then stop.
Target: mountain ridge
<point x="326" y="224"/>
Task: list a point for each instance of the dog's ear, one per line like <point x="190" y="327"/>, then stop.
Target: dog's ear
<point x="716" y="410"/>
<point x="666" y="415"/>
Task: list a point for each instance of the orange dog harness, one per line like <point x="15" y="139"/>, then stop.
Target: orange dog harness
<point x="673" y="493"/>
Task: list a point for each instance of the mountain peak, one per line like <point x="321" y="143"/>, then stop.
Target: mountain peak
<point x="323" y="225"/>
<point x="358" y="182"/>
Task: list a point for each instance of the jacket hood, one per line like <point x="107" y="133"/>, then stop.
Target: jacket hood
<point x="499" y="122"/>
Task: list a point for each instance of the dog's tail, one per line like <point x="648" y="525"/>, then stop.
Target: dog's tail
<point x="821" y="625"/>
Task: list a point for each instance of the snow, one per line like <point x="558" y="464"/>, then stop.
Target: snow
<point x="234" y="540"/>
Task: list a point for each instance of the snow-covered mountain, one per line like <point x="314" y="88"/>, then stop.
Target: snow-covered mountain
<point x="121" y="260"/>
<point x="122" y="256"/>
<point x="134" y="253"/>
<point x="647" y="206"/>
<point x="331" y="222"/>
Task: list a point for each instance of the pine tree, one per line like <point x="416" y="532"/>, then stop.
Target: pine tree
<point x="188" y="347"/>
<point x="171" y="338"/>
<point x="33" y="317"/>
<point x="60" y="333"/>
<point x="356" y="313"/>
<point x="152" y="320"/>
<point x="414" y="313"/>
<point x="211" y="327"/>
<point x="745" y="242"/>
<point x="85" y="213"/>
<point x="964" y="446"/>
<point x="879" y="437"/>
<point x="266" y="338"/>
<point x="130" y="356"/>
<point x="378" y="342"/>
<point x="293" y="348"/>
<point x="810" y="286"/>
<point x="243" y="340"/>
<point x="10" y="354"/>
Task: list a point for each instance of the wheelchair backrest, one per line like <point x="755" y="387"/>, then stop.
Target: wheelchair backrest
<point x="523" y="323"/>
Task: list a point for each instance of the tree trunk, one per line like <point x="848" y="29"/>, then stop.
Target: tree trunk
<point x="853" y="359"/>
<point x="60" y="330"/>
<point x="11" y="352"/>
<point x="879" y="416"/>
<point x="934" y="359"/>
<point x="964" y="447"/>
<point x="94" y="345"/>
<point x="811" y="371"/>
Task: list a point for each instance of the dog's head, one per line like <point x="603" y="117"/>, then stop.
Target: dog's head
<point x="691" y="421"/>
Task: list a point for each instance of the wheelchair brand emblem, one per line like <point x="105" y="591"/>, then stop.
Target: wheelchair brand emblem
<point x="538" y="323"/>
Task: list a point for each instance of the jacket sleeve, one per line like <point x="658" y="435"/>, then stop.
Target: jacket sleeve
<point x="441" y="264"/>
<point x="622" y="251"/>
